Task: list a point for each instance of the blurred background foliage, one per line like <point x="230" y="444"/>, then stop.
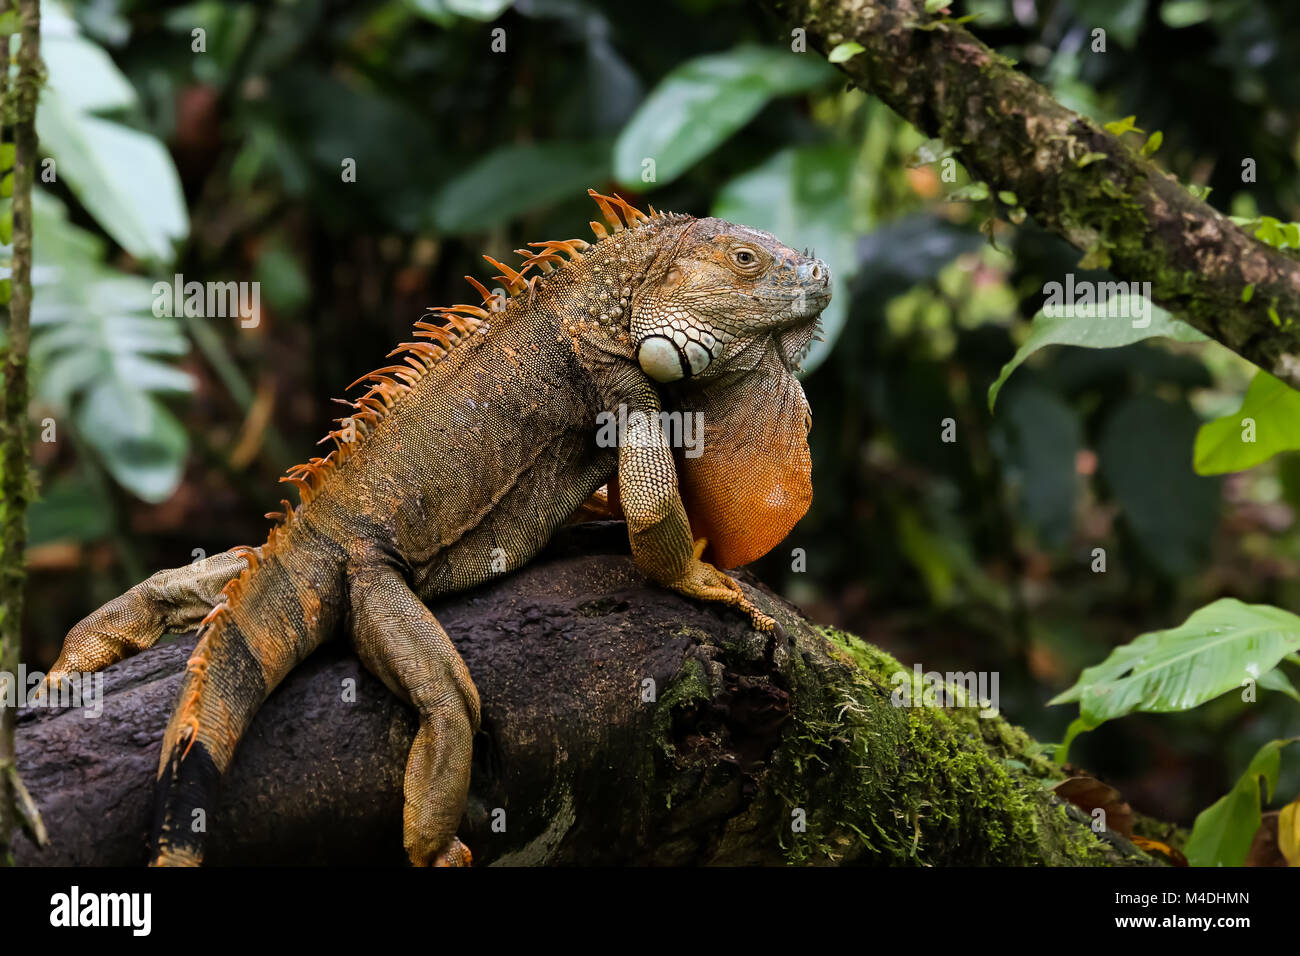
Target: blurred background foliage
<point x="226" y="163"/>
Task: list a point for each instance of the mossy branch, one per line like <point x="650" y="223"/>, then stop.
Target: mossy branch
<point x="18" y="106"/>
<point x="622" y="724"/>
<point x="1115" y="205"/>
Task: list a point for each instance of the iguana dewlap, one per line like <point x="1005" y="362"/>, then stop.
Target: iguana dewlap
<point x="460" y="462"/>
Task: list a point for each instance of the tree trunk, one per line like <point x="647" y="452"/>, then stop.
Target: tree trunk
<point x="19" y="109"/>
<point x="1073" y="177"/>
<point x="622" y="724"/>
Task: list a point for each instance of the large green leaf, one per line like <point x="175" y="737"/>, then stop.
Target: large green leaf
<point x="1209" y="654"/>
<point x="124" y="178"/>
<point x="99" y="353"/>
<point x="1096" y="332"/>
<point x="514" y="179"/>
<point x="1123" y="18"/>
<point x="1222" y="445"/>
<point x="1037" y="438"/>
<point x="800" y="195"/>
<point x="1223" y="831"/>
<point x="445" y="12"/>
<point x="1171" y="511"/>
<point x="700" y="103"/>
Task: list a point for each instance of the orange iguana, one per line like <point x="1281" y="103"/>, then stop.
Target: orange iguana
<point x="461" y="461"/>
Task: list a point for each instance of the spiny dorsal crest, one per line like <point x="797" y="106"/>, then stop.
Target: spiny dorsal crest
<point x="459" y="326"/>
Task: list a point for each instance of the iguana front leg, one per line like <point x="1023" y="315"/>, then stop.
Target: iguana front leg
<point x="401" y="643"/>
<point x="660" y="533"/>
<point x="175" y="600"/>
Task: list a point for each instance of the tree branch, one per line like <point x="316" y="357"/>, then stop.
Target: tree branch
<point x="1120" y="208"/>
<point x="622" y="724"/>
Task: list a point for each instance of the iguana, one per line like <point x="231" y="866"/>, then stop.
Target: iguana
<point x="462" y="459"/>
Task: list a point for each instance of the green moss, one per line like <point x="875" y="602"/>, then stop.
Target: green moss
<point x="885" y="784"/>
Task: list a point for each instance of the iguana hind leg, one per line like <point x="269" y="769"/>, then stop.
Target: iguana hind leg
<point x="401" y="643"/>
<point x="174" y="600"/>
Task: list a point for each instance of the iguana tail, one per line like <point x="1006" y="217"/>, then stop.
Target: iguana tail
<point x="274" y="615"/>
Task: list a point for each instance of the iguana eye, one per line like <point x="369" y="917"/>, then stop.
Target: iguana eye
<point x="746" y="260"/>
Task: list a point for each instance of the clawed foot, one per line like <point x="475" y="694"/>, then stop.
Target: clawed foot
<point x="704" y="582"/>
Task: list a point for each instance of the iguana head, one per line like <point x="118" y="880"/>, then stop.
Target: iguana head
<point x="719" y="297"/>
<point x="725" y="317"/>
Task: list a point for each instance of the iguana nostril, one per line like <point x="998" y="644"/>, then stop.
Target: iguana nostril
<point x="814" y="271"/>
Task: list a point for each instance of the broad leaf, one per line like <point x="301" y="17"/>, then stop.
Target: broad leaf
<point x="124" y="178"/>
<point x="1109" y="328"/>
<point x="1171" y="511"/>
<point x="1037" y="438"/>
<point x="445" y="12"/>
<point x="1211" y="653"/>
<point x="1231" y="443"/>
<point x="100" y="354"/>
<point x="514" y="179"/>
<point x="799" y="195"/>
<point x="700" y="103"/>
<point x="1223" y="832"/>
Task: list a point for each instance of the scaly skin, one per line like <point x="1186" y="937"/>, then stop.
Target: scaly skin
<point x="459" y="465"/>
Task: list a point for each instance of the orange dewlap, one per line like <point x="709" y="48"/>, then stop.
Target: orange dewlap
<point x="753" y="481"/>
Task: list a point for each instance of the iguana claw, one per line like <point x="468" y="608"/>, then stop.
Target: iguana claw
<point x="704" y="582"/>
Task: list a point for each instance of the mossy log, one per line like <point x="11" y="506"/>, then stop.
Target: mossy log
<point x="1069" y="174"/>
<point x="622" y="724"/>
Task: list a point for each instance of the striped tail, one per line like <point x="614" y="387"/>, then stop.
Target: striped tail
<point x="275" y="614"/>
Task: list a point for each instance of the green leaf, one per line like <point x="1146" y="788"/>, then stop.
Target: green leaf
<point x="98" y="352"/>
<point x="141" y="443"/>
<point x="7" y="186"/>
<point x="1098" y="331"/>
<point x="799" y="195"/>
<point x="934" y="6"/>
<point x="1184" y="13"/>
<point x="845" y="51"/>
<point x="1121" y="126"/>
<point x="7" y="226"/>
<point x="1229" y="444"/>
<point x="1211" y="653"/>
<point x="931" y="151"/>
<point x="971" y="192"/>
<point x="69" y="510"/>
<point x="513" y="180"/>
<point x="702" y="102"/>
<point x="1172" y="512"/>
<point x="1153" y="143"/>
<point x="445" y="12"/>
<point x="124" y="178"/>
<point x="1277" y="680"/>
<point x="1008" y="197"/>
<point x="1037" y="437"/>
<point x="1122" y="18"/>
<point x="1222" y="833"/>
<point x="8" y="153"/>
